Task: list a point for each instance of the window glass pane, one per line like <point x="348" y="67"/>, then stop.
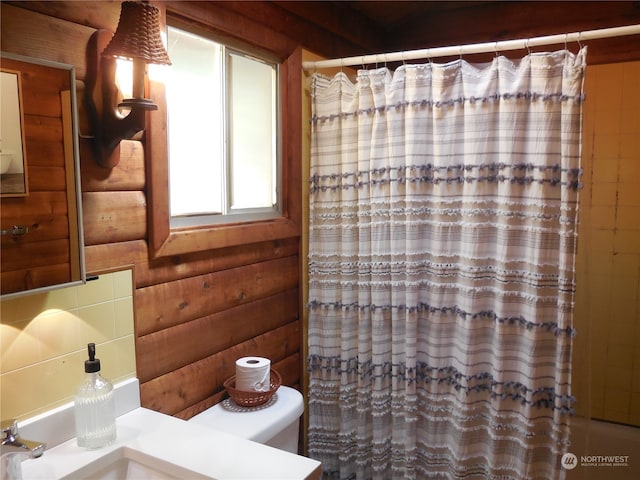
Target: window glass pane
<point x="223" y="135"/>
<point x="195" y="128"/>
<point x="252" y="121"/>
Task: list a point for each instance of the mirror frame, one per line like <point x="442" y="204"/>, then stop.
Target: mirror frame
<point x="74" y="189"/>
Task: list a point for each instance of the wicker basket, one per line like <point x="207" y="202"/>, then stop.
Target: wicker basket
<point x="252" y="399"/>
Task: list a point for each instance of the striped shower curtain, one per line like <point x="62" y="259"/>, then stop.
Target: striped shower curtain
<point x="443" y="223"/>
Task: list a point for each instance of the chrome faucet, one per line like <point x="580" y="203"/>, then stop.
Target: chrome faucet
<point x="15" y="449"/>
<point x="12" y="443"/>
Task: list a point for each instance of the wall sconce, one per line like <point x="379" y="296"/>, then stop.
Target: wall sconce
<point x="137" y="38"/>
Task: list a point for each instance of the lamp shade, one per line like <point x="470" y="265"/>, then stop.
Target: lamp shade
<point x="138" y="35"/>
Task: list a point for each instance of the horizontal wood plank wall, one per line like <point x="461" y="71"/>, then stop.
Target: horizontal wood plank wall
<point x="194" y="313"/>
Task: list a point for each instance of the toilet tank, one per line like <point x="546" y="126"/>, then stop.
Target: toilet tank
<point x="275" y="423"/>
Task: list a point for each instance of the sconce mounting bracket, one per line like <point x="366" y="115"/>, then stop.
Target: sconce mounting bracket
<point x="109" y="127"/>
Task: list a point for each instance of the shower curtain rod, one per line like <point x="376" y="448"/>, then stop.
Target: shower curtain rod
<point x="487" y="47"/>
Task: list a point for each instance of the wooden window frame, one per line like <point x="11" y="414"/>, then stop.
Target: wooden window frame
<point x="165" y="241"/>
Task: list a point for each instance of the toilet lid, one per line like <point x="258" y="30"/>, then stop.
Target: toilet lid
<point x="259" y="424"/>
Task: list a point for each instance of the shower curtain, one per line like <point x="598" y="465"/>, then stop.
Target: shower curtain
<point x="443" y="223"/>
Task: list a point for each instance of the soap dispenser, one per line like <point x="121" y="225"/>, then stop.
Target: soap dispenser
<point x="94" y="406"/>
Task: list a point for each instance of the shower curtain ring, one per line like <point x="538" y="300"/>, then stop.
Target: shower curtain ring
<point x="526" y="44"/>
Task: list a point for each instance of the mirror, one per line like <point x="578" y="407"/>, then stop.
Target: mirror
<point x="13" y="181"/>
<point x="40" y="213"/>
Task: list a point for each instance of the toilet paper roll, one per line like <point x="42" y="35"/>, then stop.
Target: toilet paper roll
<point x="253" y="374"/>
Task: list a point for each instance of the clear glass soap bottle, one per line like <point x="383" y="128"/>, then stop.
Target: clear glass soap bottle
<point x="94" y="406"/>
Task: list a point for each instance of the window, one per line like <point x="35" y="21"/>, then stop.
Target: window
<point x="166" y="235"/>
<point x="223" y="133"/>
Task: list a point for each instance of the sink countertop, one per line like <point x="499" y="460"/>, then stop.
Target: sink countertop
<point x="211" y="453"/>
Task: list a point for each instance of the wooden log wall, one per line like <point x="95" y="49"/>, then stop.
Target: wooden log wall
<point x="195" y="313"/>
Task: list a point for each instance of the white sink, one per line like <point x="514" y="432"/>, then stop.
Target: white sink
<point x="154" y="446"/>
<point x="126" y="464"/>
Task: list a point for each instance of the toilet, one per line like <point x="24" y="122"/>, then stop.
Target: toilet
<point x="275" y="423"/>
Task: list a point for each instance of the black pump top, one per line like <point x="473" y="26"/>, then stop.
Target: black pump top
<point x="93" y="364"/>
